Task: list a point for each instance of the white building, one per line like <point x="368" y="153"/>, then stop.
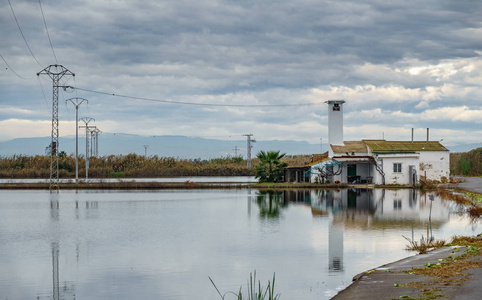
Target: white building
<point x="378" y="161"/>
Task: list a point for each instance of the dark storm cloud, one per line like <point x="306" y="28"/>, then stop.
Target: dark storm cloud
<point x="405" y="56"/>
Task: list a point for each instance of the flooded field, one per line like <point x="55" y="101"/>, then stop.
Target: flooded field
<point x="165" y="244"/>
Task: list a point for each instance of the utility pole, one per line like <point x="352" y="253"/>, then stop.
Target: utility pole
<point x="249" y="147"/>
<point x="145" y="150"/>
<point x="86" y="120"/>
<point x="77" y="102"/>
<point x="236" y="151"/>
<point x="55" y="72"/>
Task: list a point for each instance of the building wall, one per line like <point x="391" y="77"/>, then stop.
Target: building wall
<point x="403" y="177"/>
<point x="435" y="164"/>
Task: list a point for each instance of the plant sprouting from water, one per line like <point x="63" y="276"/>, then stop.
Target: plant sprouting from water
<point x="424" y="245"/>
<point x="255" y="291"/>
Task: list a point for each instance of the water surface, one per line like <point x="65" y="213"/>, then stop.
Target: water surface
<point x="165" y="244"/>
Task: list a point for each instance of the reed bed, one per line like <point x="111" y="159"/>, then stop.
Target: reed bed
<point x="133" y="166"/>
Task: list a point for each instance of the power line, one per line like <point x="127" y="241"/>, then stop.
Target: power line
<point x="21" y="32"/>
<point x="194" y="103"/>
<point x="43" y="93"/>
<point x="46" y="29"/>
<point x="13" y="71"/>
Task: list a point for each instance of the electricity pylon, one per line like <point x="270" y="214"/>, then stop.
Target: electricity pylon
<point x="249" y="147"/>
<point x="55" y="72"/>
<point x="86" y="120"/>
<point x="96" y="132"/>
<point x="77" y="102"/>
<point x="94" y="139"/>
<point x="145" y="150"/>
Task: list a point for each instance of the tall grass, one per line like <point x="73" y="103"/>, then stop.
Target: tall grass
<point x="254" y="291"/>
<point x="132" y="166"/>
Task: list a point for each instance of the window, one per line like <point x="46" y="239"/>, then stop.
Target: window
<point x="397" y="168"/>
<point x="397" y="204"/>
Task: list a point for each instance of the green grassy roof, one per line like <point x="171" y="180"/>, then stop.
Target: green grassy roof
<point x="397" y="146"/>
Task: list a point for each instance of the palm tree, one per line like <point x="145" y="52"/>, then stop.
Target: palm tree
<point x="270" y="168"/>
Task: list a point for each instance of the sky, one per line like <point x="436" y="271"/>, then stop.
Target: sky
<point x="224" y="68"/>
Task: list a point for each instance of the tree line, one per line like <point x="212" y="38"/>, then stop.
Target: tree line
<point x="467" y="163"/>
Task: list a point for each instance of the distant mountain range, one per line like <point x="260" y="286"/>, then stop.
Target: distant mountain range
<point x="166" y="146"/>
<point x="171" y="146"/>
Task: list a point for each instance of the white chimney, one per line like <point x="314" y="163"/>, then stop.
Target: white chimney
<point x="335" y="123"/>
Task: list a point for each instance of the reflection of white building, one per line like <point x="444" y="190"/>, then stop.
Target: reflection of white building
<point x="368" y="209"/>
<point x="405" y="204"/>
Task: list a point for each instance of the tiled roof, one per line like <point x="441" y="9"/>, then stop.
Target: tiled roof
<point x="389" y="146"/>
<point x="350" y="146"/>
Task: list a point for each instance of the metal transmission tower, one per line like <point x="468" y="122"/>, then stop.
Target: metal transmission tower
<point x="96" y="132"/>
<point x="249" y="147"/>
<point x="93" y="140"/>
<point x="236" y="151"/>
<point x="145" y="150"/>
<point x="77" y="102"/>
<point x="86" y="120"/>
<point x="55" y="72"/>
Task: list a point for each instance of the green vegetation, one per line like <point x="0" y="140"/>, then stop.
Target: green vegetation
<point x="467" y="164"/>
<point x="254" y="292"/>
<point x="270" y="167"/>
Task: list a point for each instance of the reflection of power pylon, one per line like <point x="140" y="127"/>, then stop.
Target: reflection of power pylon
<point x="66" y="292"/>
<point x="55" y="271"/>
<point x="55" y="72"/>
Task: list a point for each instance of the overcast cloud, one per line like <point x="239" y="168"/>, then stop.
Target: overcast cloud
<point x="398" y="64"/>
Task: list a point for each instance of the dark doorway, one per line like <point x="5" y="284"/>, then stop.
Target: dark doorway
<point x="351" y="175"/>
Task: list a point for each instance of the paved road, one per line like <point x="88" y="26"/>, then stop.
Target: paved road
<point x="390" y="281"/>
<point x="473" y="184"/>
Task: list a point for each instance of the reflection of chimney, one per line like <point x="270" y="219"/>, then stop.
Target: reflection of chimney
<point x="335" y="246"/>
<point x="335" y="123"/>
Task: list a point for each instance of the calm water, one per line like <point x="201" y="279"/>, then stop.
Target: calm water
<point x="165" y="244"/>
<point x="240" y="179"/>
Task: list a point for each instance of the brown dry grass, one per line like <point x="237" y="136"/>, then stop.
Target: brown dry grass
<point x="453" y="266"/>
<point x="133" y="166"/>
<point x="424" y="245"/>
